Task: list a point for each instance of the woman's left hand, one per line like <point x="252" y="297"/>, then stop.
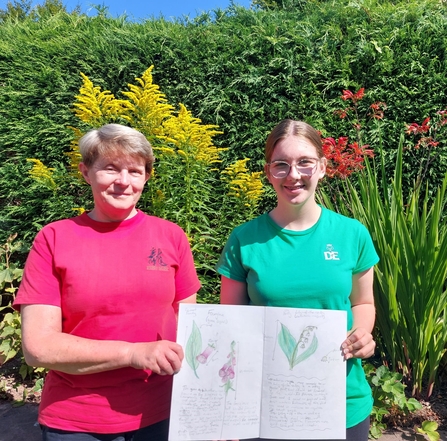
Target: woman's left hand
<point x="359" y="344"/>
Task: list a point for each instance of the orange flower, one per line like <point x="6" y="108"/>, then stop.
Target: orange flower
<point x="343" y="158"/>
<point x="348" y="95"/>
<point x="415" y="128"/>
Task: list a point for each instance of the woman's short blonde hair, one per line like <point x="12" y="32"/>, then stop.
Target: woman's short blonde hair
<point x="112" y="140"/>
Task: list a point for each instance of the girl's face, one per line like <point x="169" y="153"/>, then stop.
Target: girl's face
<point x="295" y="188"/>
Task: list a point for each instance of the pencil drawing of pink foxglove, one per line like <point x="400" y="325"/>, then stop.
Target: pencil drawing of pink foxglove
<point x="226" y="372"/>
<point x="298" y="351"/>
<point x="203" y="357"/>
<point x="193" y="348"/>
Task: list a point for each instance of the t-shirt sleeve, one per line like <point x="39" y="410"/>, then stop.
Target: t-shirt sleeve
<point x="186" y="281"/>
<point x="368" y="256"/>
<point x="230" y="261"/>
<point x="40" y="283"/>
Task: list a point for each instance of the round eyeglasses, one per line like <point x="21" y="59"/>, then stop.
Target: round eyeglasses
<point x="281" y="169"/>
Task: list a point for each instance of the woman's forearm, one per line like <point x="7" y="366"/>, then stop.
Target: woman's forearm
<point x="45" y="345"/>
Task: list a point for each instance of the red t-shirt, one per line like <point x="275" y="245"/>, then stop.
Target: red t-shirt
<point x="113" y="281"/>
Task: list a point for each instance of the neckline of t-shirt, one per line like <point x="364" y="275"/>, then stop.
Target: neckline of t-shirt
<point x="294" y="232"/>
<point x="111" y="226"/>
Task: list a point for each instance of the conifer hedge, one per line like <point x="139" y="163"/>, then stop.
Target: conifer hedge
<point x="241" y="69"/>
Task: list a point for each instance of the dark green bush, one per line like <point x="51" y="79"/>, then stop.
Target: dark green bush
<point x="241" y="69"/>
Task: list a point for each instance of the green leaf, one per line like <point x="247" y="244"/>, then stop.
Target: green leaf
<point x="413" y="404"/>
<point x="11" y="354"/>
<point x="378" y="49"/>
<point x="5" y="346"/>
<point x="433" y="436"/>
<point x="376" y="430"/>
<point x="193" y="348"/>
<point x="430" y="426"/>
<point x="38" y="386"/>
<point x="23" y="371"/>
<point x="307" y="353"/>
<point x="8" y="331"/>
<point x="288" y="344"/>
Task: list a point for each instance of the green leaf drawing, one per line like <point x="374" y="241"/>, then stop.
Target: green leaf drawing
<point x="298" y="358"/>
<point x="193" y="348"/>
<point x="287" y="342"/>
<point x="296" y="352"/>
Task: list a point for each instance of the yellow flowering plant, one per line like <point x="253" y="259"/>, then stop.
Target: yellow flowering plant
<point x="96" y="108"/>
<point x="245" y="188"/>
<point x="188" y="185"/>
<point x="185" y="167"/>
<point x="42" y="174"/>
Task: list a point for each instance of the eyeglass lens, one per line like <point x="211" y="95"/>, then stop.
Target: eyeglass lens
<point x="281" y="169"/>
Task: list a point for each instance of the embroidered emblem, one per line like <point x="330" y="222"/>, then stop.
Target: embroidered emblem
<point x="155" y="260"/>
<point x="330" y="253"/>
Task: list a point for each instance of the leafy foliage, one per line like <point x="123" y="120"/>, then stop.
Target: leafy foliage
<point x="409" y="230"/>
<point x="389" y="398"/>
<point x="10" y="323"/>
<point x="11" y="335"/>
<point x="16" y="10"/>
<point x="240" y="69"/>
<point x="429" y="428"/>
<point x="279" y="4"/>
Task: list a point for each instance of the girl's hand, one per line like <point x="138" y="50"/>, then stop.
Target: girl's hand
<point x="359" y="344"/>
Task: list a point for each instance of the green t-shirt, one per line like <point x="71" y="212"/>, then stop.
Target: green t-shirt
<point x="305" y="269"/>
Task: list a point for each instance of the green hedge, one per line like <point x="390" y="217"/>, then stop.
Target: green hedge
<point x="241" y="69"/>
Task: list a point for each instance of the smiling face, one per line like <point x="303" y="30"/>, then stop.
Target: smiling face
<point x="295" y="189"/>
<point x="117" y="184"/>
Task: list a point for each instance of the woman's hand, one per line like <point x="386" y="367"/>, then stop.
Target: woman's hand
<point x="161" y="357"/>
<point x="359" y="344"/>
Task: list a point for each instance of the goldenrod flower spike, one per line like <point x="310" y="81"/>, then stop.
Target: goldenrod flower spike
<point x="191" y="137"/>
<point x="165" y="150"/>
<point x="95" y="107"/>
<point x="42" y="174"/>
<point x="243" y="184"/>
<point x="146" y="107"/>
<point x="74" y="155"/>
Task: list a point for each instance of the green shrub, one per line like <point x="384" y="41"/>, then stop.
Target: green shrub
<point x="240" y="69"/>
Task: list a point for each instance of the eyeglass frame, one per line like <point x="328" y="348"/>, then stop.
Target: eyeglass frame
<point x="313" y="168"/>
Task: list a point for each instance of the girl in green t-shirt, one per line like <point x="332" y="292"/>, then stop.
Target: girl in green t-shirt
<point x="305" y="256"/>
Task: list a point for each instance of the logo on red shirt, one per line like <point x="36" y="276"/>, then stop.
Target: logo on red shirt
<point x="155" y="260"/>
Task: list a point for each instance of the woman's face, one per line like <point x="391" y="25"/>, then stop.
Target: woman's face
<point x="296" y="188"/>
<point x="116" y="184"/>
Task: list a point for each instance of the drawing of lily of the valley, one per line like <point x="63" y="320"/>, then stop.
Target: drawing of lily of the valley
<point x="299" y="350"/>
